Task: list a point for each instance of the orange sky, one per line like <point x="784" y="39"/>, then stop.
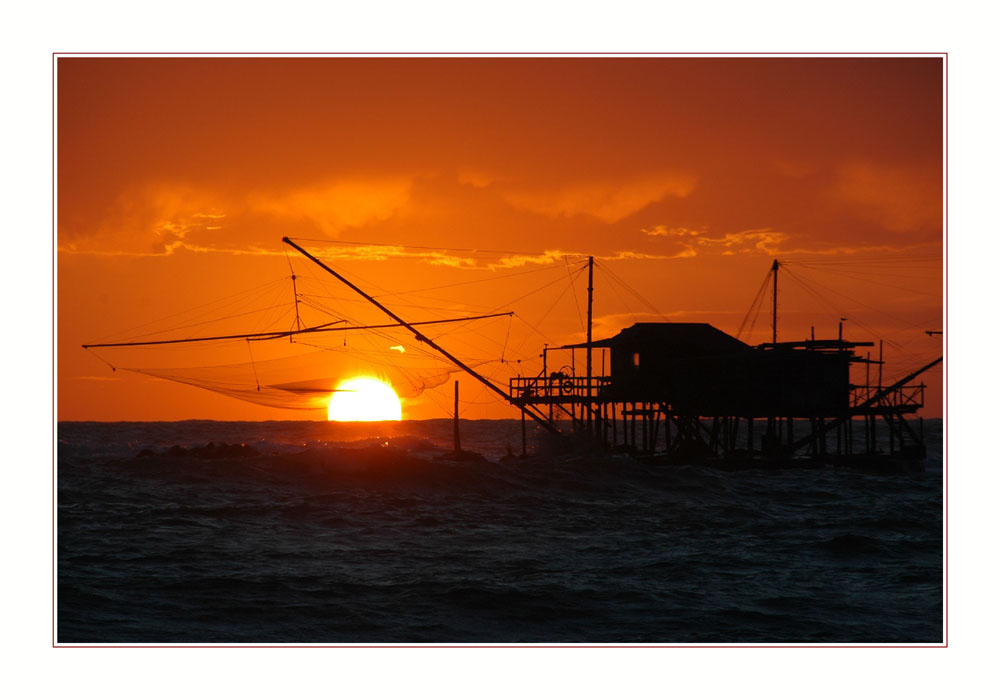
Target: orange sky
<point x="177" y="178"/>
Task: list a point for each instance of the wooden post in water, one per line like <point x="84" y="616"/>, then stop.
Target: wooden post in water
<point x="614" y="424"/>
<point x="458" y="438"/>
<point x="633" y="425"/>
<point x="645" y="427"/>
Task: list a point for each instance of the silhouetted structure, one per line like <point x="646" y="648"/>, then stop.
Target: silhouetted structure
<point x="684" y="392"/>
<point x="689" y="392"/>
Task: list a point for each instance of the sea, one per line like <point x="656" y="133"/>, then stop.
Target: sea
<point x="273" y="533"/>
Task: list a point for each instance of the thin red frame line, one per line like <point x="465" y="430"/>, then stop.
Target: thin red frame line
<point x="944" y="55"/>
<point x="496" y="646"/>
<point x="526" y="54"/>
<point x="947" y="491"/>
<point x="54" y="424"/>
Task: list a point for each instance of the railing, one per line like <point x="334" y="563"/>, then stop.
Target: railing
<point x="556" y="387"/>
<point x="904" y="397"/>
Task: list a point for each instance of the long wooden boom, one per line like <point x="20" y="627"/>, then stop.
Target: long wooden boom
<point x="541" y="420"/>
<point x="271" y="335"/>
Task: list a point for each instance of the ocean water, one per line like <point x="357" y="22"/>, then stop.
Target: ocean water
<point x="317" y="532"/>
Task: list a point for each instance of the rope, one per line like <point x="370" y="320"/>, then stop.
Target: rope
<point x="829" y="304"/>
<point x="869" y="280"/>
<point x="634" y="293"/>
<point x="510" y="321"/>
<point x="253" y="365"/>
<point x="231" y="301"/>
<point x="113" y="368"/>
<point x="576" y="302"/>
<point x="545" y="315"/>
<point x="755" y="304"/>
<point x="614" y="289"/>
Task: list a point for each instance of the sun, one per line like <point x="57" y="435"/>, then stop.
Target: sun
<point x="364" y="399"/>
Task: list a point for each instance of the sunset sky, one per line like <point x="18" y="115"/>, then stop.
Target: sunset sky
<point x="684" y="177"/>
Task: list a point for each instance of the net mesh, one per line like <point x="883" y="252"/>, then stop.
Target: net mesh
<point x="279" y="383"/>
<point x="293" y="375"/>
<point x="291" y="342"/>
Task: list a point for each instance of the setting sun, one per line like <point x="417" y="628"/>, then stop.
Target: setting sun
<point x="364" y="399"/>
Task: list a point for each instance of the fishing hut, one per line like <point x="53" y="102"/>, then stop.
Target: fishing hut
<point x="688" y="392"/>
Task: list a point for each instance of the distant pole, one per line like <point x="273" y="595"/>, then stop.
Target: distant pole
<point x="774" y="305"/>
<point x="458" y="439"/>
<point x="590" y="338"/>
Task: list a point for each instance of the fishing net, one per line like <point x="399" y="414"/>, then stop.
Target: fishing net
<point x="303" y="375"/>
<point x="278" y="383"/>
<point x="292" y="342"/>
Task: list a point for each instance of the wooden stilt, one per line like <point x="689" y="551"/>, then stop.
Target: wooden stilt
<point x="458" y="438"/>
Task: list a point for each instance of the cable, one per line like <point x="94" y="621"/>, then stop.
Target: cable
<point x="755" y="304"/>
<point x="634" y="293"/>
<point x="576" y="302"/>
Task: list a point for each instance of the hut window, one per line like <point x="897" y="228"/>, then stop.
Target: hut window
<point x="635" y="359"/>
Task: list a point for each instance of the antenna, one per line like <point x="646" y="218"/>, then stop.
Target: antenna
<point x="774" y="304"/>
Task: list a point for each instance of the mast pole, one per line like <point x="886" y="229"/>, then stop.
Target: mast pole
<point x="422" y="338"/>
<point x="295" y="294"/>
<point x="590" y="337"/>
<point x="774" y="305"/>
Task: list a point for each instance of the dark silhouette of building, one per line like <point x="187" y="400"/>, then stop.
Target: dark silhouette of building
<point x="688" y="391"/>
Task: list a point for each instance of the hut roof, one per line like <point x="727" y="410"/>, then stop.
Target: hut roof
<point x="680" y="339"/>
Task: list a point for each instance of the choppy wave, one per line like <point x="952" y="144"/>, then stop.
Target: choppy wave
<point x="317" y="532"/>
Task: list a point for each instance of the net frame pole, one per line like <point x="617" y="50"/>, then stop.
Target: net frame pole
<point x="423" y="339"/>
